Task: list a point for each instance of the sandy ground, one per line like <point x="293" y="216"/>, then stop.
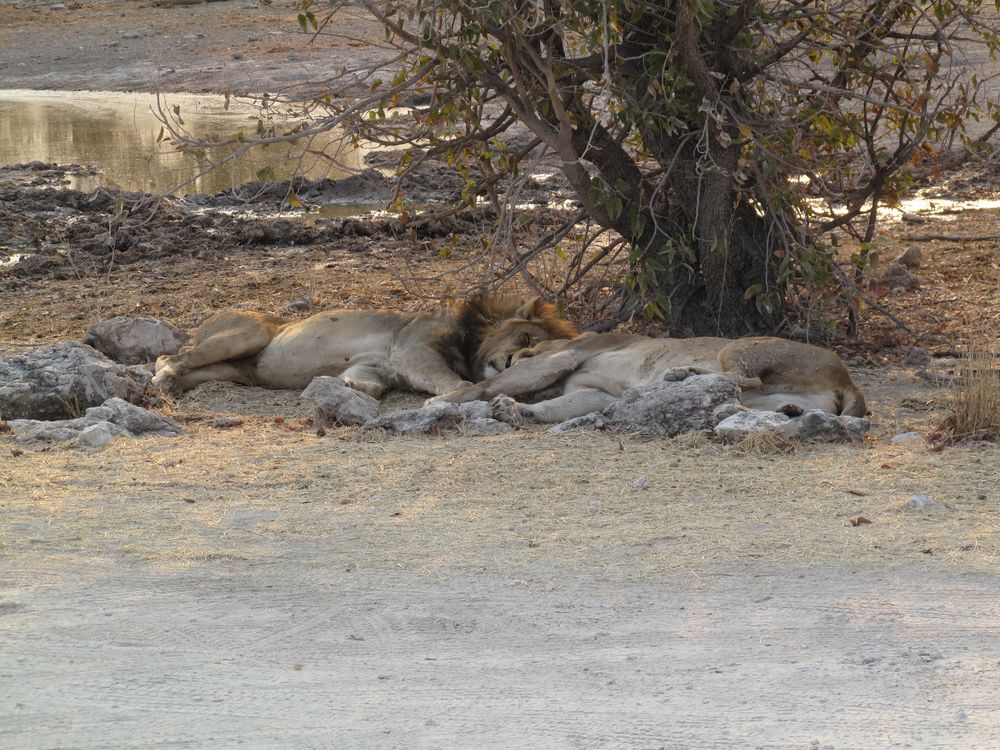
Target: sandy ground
<point x="262" y="587"/>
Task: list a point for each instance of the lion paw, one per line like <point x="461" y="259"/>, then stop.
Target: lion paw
<point x="505" y="409"/>
<point x="675" y="374"/>
<point x="165" y="382"/>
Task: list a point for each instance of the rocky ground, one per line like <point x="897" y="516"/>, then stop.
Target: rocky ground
<point x="250" y="583"/>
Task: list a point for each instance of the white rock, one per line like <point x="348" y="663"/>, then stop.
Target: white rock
<point x="922" y="502"/>
<point x="339" y="404"/>
<point x="749" y="422"/>
<point x="97" y="435"/>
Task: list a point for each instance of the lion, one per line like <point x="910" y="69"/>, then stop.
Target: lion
<point x="569" y="378"/>
<point x="371" y="351"/>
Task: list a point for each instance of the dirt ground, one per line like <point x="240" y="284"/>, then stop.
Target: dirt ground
<point x="260" y="586"/>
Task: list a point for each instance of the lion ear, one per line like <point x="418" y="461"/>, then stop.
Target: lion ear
<point x="532" y="307"/>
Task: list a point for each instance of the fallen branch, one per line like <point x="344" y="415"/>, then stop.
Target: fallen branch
<point x="950" y="238"/>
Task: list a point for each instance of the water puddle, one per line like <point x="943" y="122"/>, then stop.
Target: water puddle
<point x="120" y="136"/>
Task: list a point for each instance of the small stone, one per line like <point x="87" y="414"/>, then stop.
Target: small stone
<point x="911" y="258"/>
<point x="899" y="277"/>
<point x="57" y="6"/>
<point x="905" y="437"/>
<point x="223" y="423"/>
<point x="921" y="502"/>
<point x="476" y="410"/>
<point x="299" y="304"/>
<point x="96" y="436"/>
<point x="918" y="357"/>
<point x="237" y="55"/>
<point x="130" y="35"/>
<point x="981" y="494"/>
<point x="744" y="423"/>
<point x="339" y="404"/>
<point x="642" y="483"/>
<point x="594" y="421"/>
<point x="913" y="218"/>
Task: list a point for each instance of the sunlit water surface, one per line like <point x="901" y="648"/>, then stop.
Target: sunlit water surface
<point x="122" y="138"/>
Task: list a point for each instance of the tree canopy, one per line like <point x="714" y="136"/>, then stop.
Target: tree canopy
<point x="722" y="144"/>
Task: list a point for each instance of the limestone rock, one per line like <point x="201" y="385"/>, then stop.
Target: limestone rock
<point x="899" y="277"/>
<point x="54" y="382"/>
<point x="97" y="427"/>
<point x="339" y="404"/>
<point x="911" y="258"/>
<point x="476" y="410"/>
<point x="594" y="421"/>
<point x="133" y="341"/>
<point x="923" y="502"/>
<point x="817" y="426"/>
<point x="435" y="416"/>
<point x="742" y="424"/>
<point x="672" y="408"/>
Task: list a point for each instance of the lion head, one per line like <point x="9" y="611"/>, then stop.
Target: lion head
<point x="496" y="327"/>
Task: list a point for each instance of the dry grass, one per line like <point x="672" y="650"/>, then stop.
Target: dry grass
<point x="579" y="504"/>
<point x="977" y="404"/>
<point x="977" y="396"/>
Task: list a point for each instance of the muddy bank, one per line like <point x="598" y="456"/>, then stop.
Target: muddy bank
<point x="50" y="230"/>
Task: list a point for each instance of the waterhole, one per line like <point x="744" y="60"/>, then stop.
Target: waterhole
<point x="121" y="138"/>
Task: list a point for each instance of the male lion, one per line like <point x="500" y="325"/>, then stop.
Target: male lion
<point x="369" y="350"/>
<point x="570" y="378"/>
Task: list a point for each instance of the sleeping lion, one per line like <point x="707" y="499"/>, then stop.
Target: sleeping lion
<point x="570" y="378"/>
<point x="369" y="350"/>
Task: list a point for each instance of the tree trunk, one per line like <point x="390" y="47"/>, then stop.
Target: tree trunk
<point x="732" y="254"/>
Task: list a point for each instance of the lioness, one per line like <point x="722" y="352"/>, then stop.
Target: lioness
<point x="370" y="350"/>
<point x="570" y="378"/>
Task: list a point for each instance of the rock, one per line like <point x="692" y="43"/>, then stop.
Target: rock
<point x="299" y="305"/>
<point x="906" y="437"/>
<point x="134" y="419"/>
<point x="133" y="341"/>
<point x="433" y="417"/>
<point x="57" y="6"/>
<point x="725" y="411"/>
<point x="741" y="424"/>
<point x="476" y="410"/>
<point x="131" y="35"/>
<point x="237" y="55"/>
<point x="114" y="417"/>
<point x="911" y="258"/>
<point x="922" y="502"/>
<point x="642" y="483"/>
<point x="672" y="408"/>
<point x="97" y="435"/>
<point x="223" y="423"/>
<point x="58" y="381"/>
<point x="339" y="404"/>
<point x="594" y="421"/>
<point x="898" y="277"/>
<point x="918" y="357"/>
<point x="817" y="426"/>
<point x="913" y="218"/>
<point x="484" y="426"/>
